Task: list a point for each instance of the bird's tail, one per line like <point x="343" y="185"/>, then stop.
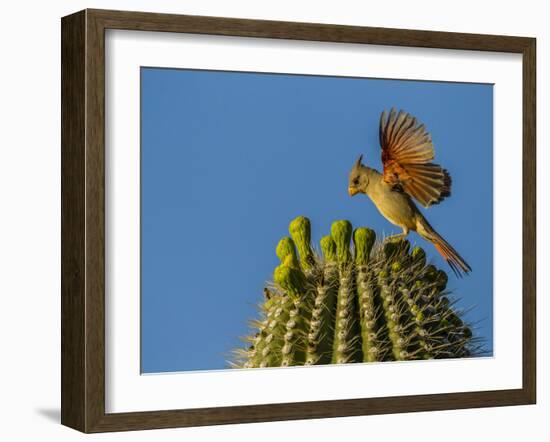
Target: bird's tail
<point x="449" y="254"/>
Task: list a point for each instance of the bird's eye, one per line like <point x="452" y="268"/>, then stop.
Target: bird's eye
<point x="356" y="181"/>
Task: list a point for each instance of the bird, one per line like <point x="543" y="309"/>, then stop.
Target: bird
<point x="408" y="175"/>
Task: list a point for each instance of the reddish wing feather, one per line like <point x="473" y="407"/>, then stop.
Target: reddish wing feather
<point x="407" y="152"/>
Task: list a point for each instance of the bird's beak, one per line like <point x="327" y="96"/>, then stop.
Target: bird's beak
<point x="352" y="190"/>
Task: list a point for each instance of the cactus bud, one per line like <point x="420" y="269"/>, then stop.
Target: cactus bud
<point x="341" y="234"/>
<point x="441" y="280"/>
<point x="430" y="273"/>
<point x="390" y="249"/>
<point x="419" y="255"/>
<point x="396" y="267"/>
<point x="290" y="279"/>
<point x="286" y="248"/>
<point x="328" y="247"/>
<point x="300" y="231"/>
<point x="395" y="247"/>
<point x="363" y="240"/>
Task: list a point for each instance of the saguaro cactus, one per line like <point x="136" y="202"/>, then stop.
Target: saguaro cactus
<point x="359" y="301"/>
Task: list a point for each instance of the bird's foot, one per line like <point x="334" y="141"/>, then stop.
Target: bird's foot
<point x="396" y="238"/>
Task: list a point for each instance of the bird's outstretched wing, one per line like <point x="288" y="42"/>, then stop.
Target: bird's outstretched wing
<point x="407" y="152"/>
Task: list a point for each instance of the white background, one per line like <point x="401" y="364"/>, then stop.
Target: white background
<point x="30" y="222"/>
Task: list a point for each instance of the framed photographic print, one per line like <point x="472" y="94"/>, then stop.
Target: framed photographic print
<point x="269" y="220"/>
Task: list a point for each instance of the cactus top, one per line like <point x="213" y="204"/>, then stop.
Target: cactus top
<point x="381" y="304"/>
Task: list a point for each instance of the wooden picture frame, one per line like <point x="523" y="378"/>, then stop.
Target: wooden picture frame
<point x="83" y="220"/>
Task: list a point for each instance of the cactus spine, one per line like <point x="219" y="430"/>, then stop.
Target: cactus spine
<point x="375" y="301"/>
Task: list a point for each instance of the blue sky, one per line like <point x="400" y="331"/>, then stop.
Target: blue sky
<point x="228" y="159"/>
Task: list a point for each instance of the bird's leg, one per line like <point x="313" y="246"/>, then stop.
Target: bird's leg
<point x="399" y="236"/>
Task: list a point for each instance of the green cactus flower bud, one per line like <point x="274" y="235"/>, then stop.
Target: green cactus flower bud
<point x="290" y="279"/>
<point x="289" y="261"/>
<point x="363" y="240"/>
<point x="286" y="248"/>
<point x="419" y="255"/>
<point x="341" y="234"/>
<point x="328" y="247"/>
<point x="430" y="273"/>
<point x="300" y="231"/>
<point x="441" y="279"/>
<point x="395" y="247"/>
<point x="404" y="246"/>
<point x="390" y="249"/>
<point x="396" y="267"/>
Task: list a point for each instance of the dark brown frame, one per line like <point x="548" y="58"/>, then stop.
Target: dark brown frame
<point x="83" y="216"/>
